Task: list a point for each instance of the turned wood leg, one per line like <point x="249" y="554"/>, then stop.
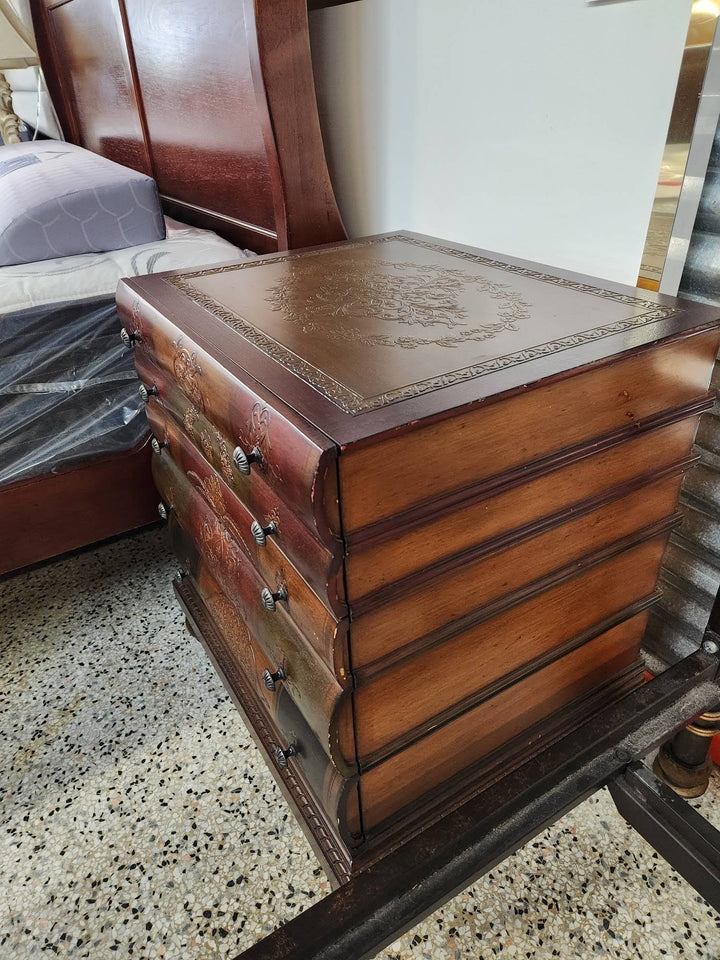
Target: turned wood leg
<point x="683" y="763"/>
<point x="9" y="122"/>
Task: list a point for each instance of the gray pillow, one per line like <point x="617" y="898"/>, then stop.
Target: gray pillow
<point x="58" y="200"/>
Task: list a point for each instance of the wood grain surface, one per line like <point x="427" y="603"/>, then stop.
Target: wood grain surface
<point x="419" y="609"/>
<point x="325" y="803"/>
<point x="215" y="100"/>
<point x="521" y="501"/>
<point x="300" y="618"/>
<point x="501" y="513"/>
<point x="65" y="509"/>
<point x="205" y="456"/>
<point x="438" y="758"/>
<point x="378" y="335"/>
<point x="312" y="688"/>
<point x="444" y="678"/>
<point x="83" y="46"/>
<point x="422" y="464"/>
<point x="297" y="464"/>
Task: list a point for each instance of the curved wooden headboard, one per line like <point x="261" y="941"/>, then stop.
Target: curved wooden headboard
<point x="213" y="98"/>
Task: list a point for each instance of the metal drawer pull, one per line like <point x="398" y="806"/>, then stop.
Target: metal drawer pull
<point x="281" y="756"/>
<point x="270" y="679"/>
<point x="261" y="533"/>
<point x="242" y="460"/>
<point x="269" y="599"/>
<point x="147" y="392"/>
<point x="130" y="339"/>
<point x="157" y="445"/>
<point x="163" y="511"/>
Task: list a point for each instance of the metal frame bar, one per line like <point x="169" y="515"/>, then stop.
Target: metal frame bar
<point x="680" y="834"/>
<point x="390" y="897"/>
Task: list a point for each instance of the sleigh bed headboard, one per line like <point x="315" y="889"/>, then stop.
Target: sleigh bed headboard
<point x="213" y="98"/>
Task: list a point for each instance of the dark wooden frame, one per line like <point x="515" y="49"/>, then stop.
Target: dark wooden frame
<point x="259" y="135"/>
<point x="55" y="512"/>
<point x="260" y="148"/>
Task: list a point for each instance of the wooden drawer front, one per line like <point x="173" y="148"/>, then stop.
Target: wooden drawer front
<point x="381" y="480"/>
<point x="300" y="618"/>
<point x="323" y="797"/>
<point x="445" y="679"/>
<point x="492" y="514"/>
<point x="291" y="541"/>
<point x="315" y="692"/>
<point x="298" y="462"/>
<point x="441" y="757"/>
<point x="415" y="612"/>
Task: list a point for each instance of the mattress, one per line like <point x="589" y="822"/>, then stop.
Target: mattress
<point x="93" y="275"/>
<point x="68" y="388"/>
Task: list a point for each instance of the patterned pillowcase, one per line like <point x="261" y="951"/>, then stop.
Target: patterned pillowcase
<point x="59" y="200"/>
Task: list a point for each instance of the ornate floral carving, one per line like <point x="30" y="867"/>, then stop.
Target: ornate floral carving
<point x="454" y="333"/>
<point x="236" y="635"/>
<point x="318" y="294"/>
<point x="217" y="544"/>
<point x="206" y="444"/>
<point x="137" y="324"/>
<point x="210" y="489"/>
<point x="256" y="433"/>
<point x="273" y="517"/>
<point x="187" y="370"/>
<point x="189" y="419"/>
<point x="224" y="456"/>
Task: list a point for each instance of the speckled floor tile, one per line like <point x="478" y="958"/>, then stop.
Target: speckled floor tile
<point x="138" y="819"/>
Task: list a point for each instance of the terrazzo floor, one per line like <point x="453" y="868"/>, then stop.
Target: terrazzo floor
<point x="138" y="819"/>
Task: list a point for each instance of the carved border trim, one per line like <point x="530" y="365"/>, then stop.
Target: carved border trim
<point x="352" y="402"/>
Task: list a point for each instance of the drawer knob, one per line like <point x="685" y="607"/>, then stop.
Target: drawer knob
<point x="260" y="533"/>
<point x="163" y="511"/>
<point x="157" y="445"/>
<point x="243" y="460"/>
<point x="147" y="392"/>
<point x="282" y="756"/>
<point x="270" y="599"/>
<point x="270" y="679"/>
<point x="129" y="339"/>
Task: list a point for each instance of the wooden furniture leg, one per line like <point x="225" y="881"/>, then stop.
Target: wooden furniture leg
<point x="684" y="763"/>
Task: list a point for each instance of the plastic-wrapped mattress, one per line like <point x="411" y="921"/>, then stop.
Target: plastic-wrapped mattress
<point x="68" y="389"/>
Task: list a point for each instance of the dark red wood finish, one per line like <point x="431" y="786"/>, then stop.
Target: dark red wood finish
<point x="550" y="343"/>
<point x="56" y="512"/>
<point x="203" y="118"/>
<point x="95" y="87"/>
<point x="214" y="98"/>
<point x="409" y="365"/>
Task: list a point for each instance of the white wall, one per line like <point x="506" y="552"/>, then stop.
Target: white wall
<point x="532" y="127"/>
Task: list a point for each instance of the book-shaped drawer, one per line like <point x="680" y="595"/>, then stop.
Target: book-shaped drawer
<point x="428" y="603"/>
<point x="525" y="502"/>
<point x="549" y="423"/>
<point x="286" y="606"/>
<point x="277" y="660"/>
<point x="399" y="702"/>
<point x="255" y="440"/>
<point x="269" y="531"/>
<point x="326" y="802"/>
<point x="496" y="734"/>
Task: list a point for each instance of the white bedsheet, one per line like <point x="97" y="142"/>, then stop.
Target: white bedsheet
<point x="97" y="274"/>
